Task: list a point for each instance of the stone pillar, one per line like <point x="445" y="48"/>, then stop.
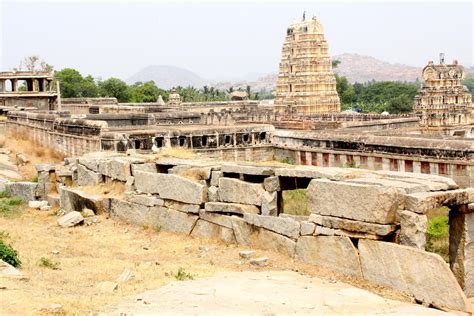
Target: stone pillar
<point x="461" y="247"/>
<point x="14" y="85"/>
<point x="2" y="85"/>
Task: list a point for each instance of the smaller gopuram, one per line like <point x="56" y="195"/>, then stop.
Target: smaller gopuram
<point x="306" y="82"/>
<point x="174" y="98"/>
<point x="29" y="89"/>
<point x="442" y="100"/>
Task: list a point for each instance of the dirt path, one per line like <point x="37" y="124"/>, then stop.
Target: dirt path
<point x="263" y="293"/>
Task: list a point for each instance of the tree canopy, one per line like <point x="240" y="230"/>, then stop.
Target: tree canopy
<point x="114" y="87"/>
<point x="73" y="85"/>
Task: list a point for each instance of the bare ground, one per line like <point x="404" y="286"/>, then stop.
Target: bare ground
<point x="89" y="255"/>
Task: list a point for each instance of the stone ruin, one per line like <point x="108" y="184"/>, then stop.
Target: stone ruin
<point x="369" y="225"/>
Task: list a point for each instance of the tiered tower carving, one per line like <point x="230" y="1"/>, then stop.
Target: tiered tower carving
<point x="306" y="82"/>
<point x="442" y="99"/>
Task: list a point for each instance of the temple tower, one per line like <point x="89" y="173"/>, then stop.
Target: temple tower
<point x="306" y="83"/>
<point x="443" y="100"/>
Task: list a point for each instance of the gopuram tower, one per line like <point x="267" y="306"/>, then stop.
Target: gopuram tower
<point x="306" y="83"/>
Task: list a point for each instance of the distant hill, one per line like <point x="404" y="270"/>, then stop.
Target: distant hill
<point x="168" y="76"/>
<point x="359" y="68"/>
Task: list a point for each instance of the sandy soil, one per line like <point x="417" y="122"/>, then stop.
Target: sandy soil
<point x="100" y="252"/>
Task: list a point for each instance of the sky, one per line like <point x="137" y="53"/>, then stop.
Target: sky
<point x="224" y="40"/>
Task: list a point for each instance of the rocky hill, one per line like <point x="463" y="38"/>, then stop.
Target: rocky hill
<point x="168" y="76"/>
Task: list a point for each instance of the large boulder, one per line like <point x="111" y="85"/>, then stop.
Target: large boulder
<point x="335" y="253"/>
<point x="238" y="191"/>
<point x="172" y="187"/>
<point x="421" y="274"/>
<point x="368" y="203"/>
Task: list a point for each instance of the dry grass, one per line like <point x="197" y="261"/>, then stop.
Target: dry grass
<point x="111" y="189"/>
<point x="177" y="152"/>
<point x="295" y="202"/>
<point x="89" y="255"/>
<point x="36" y="153"/>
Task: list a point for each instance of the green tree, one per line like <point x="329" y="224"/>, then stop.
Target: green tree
<point x="73" y="85"/>
<point x="146" y="92"/>
<point x="114" y="87"/>
<point x="469" y="82"/>
<point x="345" y="91"/>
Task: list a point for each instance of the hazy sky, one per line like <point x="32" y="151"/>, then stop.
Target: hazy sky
<point x="224" y="40"/>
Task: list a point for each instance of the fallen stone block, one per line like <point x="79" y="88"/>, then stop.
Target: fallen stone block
<point x="37" y="204"/>
<point x="76" y="200"/>
<point x="247" y="254"/>
<point x="335" y="253"/>
<point x="424" y="201"/>
<point x="218" y="219"/>
<point x="413" y="229"/>
<point x="238" y="191"/>
<point x="70" y="219"/>
<point x="423" y="275"/>
<point x="352" y="225"/>
<point x="233" y="208"/>
<point x="281" y="225"/>
<point x="25" y="190"/>
<point x="183" y="207"/>
<point x="367" y="203"/>
<point x="204" y="229"/>
<point x="250" y="170"/>
<point x="171" y="187"/>
<point x="259" y="262"/>
<point x="269" y="203"/>
<point x="9" y="271"/>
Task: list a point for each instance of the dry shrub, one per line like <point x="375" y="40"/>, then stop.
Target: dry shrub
<point x="108" y="189"/>
<point x="194" y="173"/>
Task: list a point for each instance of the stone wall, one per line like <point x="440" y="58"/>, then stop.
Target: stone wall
<point x="369" y="225"/>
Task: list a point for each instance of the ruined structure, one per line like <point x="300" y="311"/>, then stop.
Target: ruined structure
<point x="30" y="89"/>
<point x="306" y="83"/>
<point x="443" y="101"/>
<point x="174" y="99"/>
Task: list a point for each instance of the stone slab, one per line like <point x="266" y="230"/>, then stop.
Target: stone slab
<point x="172" y="187"/>
<point x="250" y="170"/>
<point x="183" y="207"/>
<point x="70" y="219"/>
<point x="76" y="200"/>
<point x="367" y="203"/>
<point x="238" y="191"/>
<point x="335" y="253"/>
<point x="413" y="229"/>
<point x="144" y="200"/>
<point x="424" y="201"/>
<point x="281" y="225"/>
<point x="234" y="208"/>
<point x="218" y="219"/>
<point x="205" y="229"/>
<point x="421" y="274"/>
<point x="330" y="173"/>
<point x="87" y="177"/>
<point x="352" y="225"/>
<point x="25" y="190"/>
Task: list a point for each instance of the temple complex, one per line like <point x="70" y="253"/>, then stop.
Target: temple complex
<point x="443" y="100"/>
<point x="28" y="89"/>
<point x="306" y="83"/>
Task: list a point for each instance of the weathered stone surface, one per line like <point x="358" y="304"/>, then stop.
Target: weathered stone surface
<point x="9" y="271"/>
<point x="247" y="254"/>
<point x="317" y="172"/>
<point x="116" y="168"/>
<point x="90" y="163"/>
<point x="421" y="274"/>
<point x="352" y="225"/>
<point x="24" y="190"/>
<point x="324" y="231"/>
<point x="134" y="213"/>
<point x="146" y="167"/>
<point x="37" y="204"/>
<point x="192" y="172"/>
<point x="213" y="194"/>
<point x="409" y="176"/>
<point x="183" y="207"/>
<point x="175" y="221"/>
<point x="86" y="177"/>
<point x="215" y="176"/>
<point x="144" y="200"/>
<point x="424" y="201"/>
<point x="218" y="219"/>
<point x="407" y="187"/>
<point x="70" y="219"/>
<point x="281" y="225"/>
<point x="368" y="203"/>
<point x="307" y="228"/>
<point x="242" y="230"/>
<point x="413" y="229"/>
<point x="234" y="208"/>
<point x="251" y="170"/>
<point x="107" y="286"/>
<point x="237" y="191"/>
<point x="76" y="200"/>
<point x="269" y="203"/>
<point x="259" y="262"/>
<point x="336" y="253"/>
<point x="272" y="184"/>
<point x="172" y="187"/>
<point x="205" y="229"/>
<point x="53" y="199"/>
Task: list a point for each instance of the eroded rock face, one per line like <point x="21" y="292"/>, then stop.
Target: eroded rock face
<point x="172" y="187"/>
<point x="238" y="191"/>
<point x="413" y="229"/>
<point x="421" y="274"/>
<point x="336" y="253"/>
<point x="367" y="203"/>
